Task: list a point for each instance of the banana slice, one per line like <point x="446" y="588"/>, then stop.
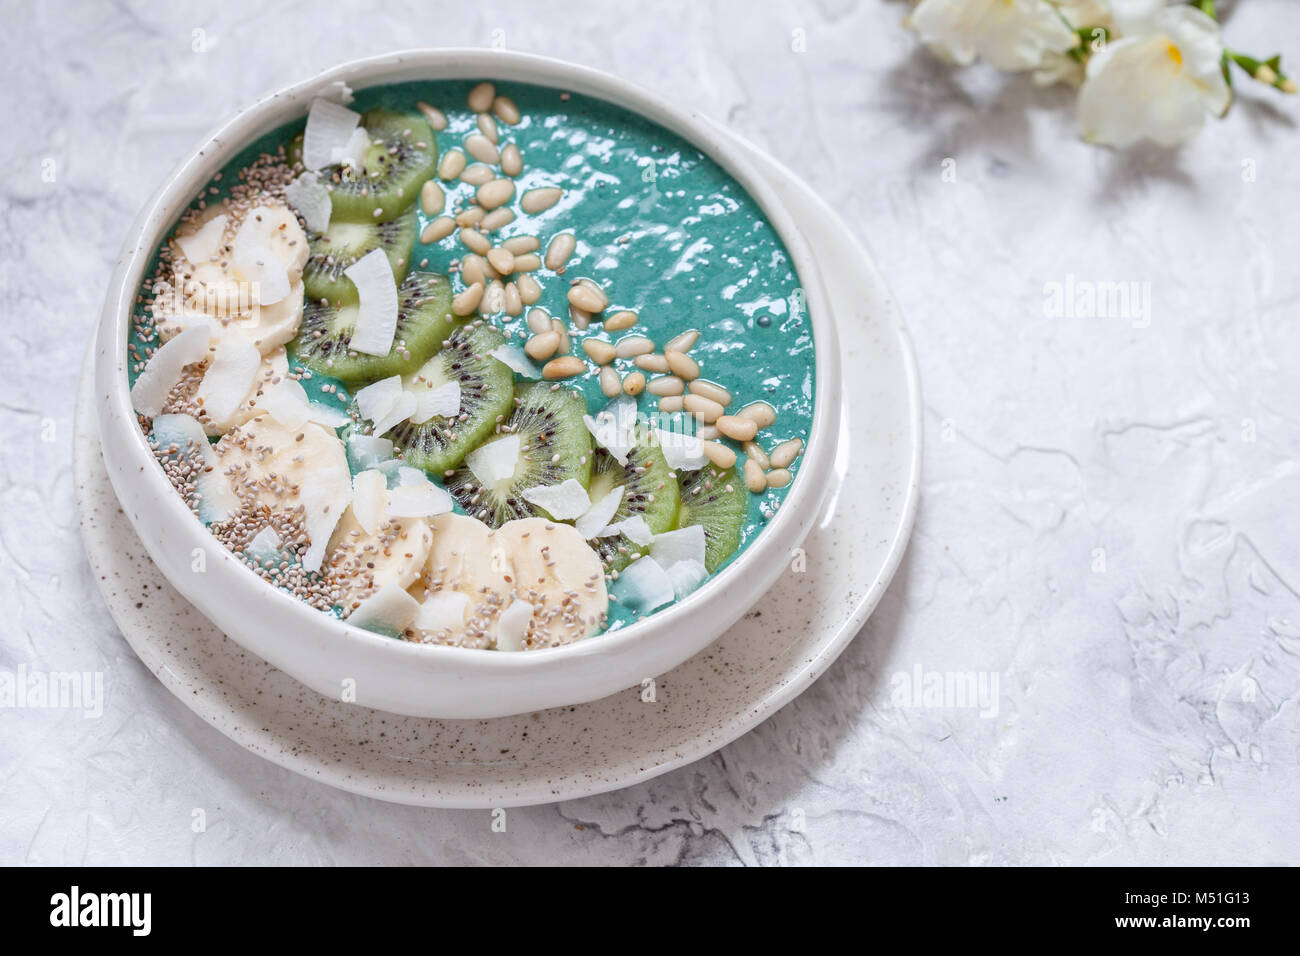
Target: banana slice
<point x="282" y="469"/>
<point x="560" y="576"/>
<point x="465" y="560"/>
<point x="359" y="563"/>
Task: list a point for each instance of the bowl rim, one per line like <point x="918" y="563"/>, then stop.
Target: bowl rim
<point x="236" y="131"/>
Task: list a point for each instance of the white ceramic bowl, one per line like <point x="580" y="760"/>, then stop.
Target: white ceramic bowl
<point x="331" y="656"/>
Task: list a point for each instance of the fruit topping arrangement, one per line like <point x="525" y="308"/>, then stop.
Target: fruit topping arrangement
<point x="406" y="449"/>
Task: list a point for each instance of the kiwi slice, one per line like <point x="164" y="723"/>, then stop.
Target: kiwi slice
<point x="554" y="446"/>
<point x="716" y="499"/>
<point x="649" y="490"/>
<point x="424" y="320"/>
<point x="343" y="243"/>
<point x="487" y="391"/>
<point x="401" y="157"/>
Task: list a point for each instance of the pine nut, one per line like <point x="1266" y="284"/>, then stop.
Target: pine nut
<point x="488" y="127"/>
<point x="588" y="296"/>
<point x="482" y="149"/>
<point x="670" y="403"/>
<point x="432" y="199"/>
<point x="755" y="480"/>
<point x="683" y="342"/>
<point x="620" y="320"/>
<point x="565" y="342"/>
<point x="494" y="297"/>
<point x="452" y="164"/>
<point x="481" y="97"/>
<point x="599" y="351"/>
<point x="539" y="200"/>
<point x="708" y="433"/>
<point x="705" y="409"/>
<point x="760" y="412"/>
<point x="719" y="454"/>
<point x="682" y="364"/>
<point x="476" y="174"/>
<point x="711" y="391"/>
<point x="438" y="230"/>
<point x="512" y="161"/>
<point x="468" y="218"/>
<point x="496" y="193"/>
<point x="496" y="219"/>
<point x="503" y="260"/>
<point x="566" y="366"/>
<point x="541" y="347"/>
<point x="559" y="251"/>
<point x="739" y="429"/>
<point x="472" y="269"/>
<point x="755" y="451"/>
<point x="539" y="321"/>
<point x="652" y="363"/>
<point x="514" y="304"/>
<point x="778" y="478"/>
<point x="436" y="117"/>
<point x="609" y="383"/>
<point x="634" y="384"/>
<point x="506" y="110"/>
<point x="476" y="241"/>
<point x="786" y="452"/>
<point x="528" y="262"/>
<point x="529" y="291"/>
<point x="633" y="345"/>
<point x="666" y="385"/>
<point x="521" y="244"/>
<point x="467" y="301"/>
<point x="581" y="317"/>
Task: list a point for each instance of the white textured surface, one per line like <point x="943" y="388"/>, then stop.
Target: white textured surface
<point x="1148" y="712"/>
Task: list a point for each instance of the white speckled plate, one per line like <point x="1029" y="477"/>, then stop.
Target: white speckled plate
<point x="773" y="654"/>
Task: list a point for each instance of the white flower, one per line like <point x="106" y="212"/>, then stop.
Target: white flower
<point x="1158" y="81"/>
<point x="1081" y="15"/>
<point x="1008" y="34"/>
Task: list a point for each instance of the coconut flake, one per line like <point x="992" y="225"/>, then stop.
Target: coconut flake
<point x="402" y="409"/>
<point x="263" y="269"/>
<point x="634" y="527"/>
<point x="442" y="610"/>
<point x="563" y="502"/>
<point x="265" y="545"/>
<point x="311" y="200"/>
<point x="354" y="153"/>
<point x="230" y="376"/>
<point x="288" y="404"/>
<point x="686" y="576"/>
<point x="369" y="499"/>
<point x="163" y="370"/>
<point x="512" y="626"/>
<point x="329" y="128"/>
<point x="217" y="500"/>
<point x="614" y="427"/>
<point x="443" y="401"/>
<point x="495" y="460"/>
<point x="418" y="501"/>
<point x="337" y="91"/>
<point x="388" y="609"/>
<point x="376" y="324"/>
<point x="202" y="244"/>
<point x="517" y="360"/>
<point x="682" y="452"/>
<point x="377" y="400"/>
<point x="597" y="516"/>
<point x="644" y="586"/>
<point x="366" y="451"/>
<point x="684" y="544"/>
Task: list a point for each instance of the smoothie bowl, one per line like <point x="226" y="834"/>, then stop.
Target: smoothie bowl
<point x="463" y="384"/>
